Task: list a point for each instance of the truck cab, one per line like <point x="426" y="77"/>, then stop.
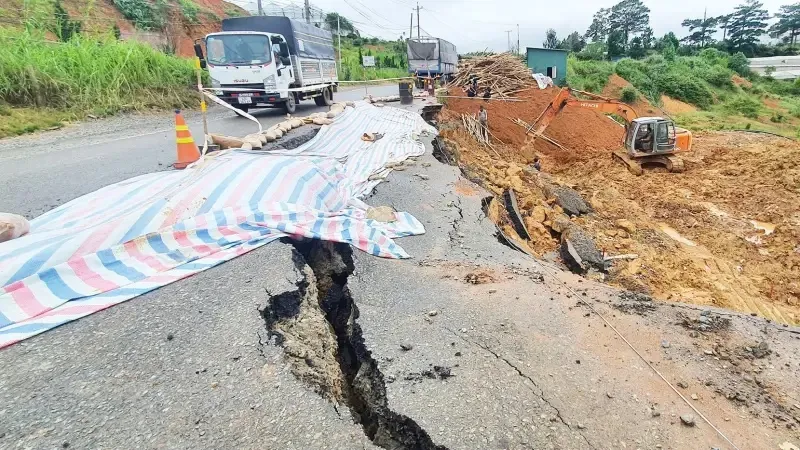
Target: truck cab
<point x="249" y="69"/>
<point x="269" y="61"/>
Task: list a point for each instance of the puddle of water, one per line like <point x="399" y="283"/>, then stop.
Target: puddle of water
<point x="766" y="227"/>
<point x="672" y="233"/>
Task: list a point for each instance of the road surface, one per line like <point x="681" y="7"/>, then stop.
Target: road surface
<point x="524" y="358"/>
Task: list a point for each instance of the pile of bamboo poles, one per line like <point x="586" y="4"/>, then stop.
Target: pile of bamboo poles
<point x="504" y="73"/>
<point x="474" y="127"/>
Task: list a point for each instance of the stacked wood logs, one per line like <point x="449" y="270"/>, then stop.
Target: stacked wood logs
<point x="504" y="73"/>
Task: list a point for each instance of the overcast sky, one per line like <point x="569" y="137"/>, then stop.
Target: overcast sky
<point x="479" y="24"/>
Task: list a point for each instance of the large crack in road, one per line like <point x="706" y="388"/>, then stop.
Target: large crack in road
<point x="316" y="324"/>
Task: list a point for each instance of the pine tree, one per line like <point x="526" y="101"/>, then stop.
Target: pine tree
<point x="748" y="24"/>
<point x="551" y="39"/>
<point x="600" y="27"/>
<point x="629" y="17"/>
<point x="701" y="31"/>
<point x="788" y="26"/>
<point x="724" y="24"/>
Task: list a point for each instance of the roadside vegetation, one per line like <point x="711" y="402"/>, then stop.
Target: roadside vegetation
<point x="390" y="56"/>
<point x="72" y="79"/>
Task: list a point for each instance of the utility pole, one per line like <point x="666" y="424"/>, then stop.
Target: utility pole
<point x="411" y="26"/>
<point x="418" y="36"/>
<point x="260" y="9"/>
<point x="308" y="12"/>
<point x="518" y="49"/>
<point x="508" y="36"/>
<point x="339" y="32"/>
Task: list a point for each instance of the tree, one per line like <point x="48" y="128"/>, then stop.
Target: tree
<point x="344" y="25"/>
<point x="574" y="42"/>
<point x="600" y="27"/>
<point x="616" y="43"/>
<point x="748" y="24"/>
<point x="629" y="17"/>
<point x="788" y="25"/>
<point x="669" y="39"/>
<point x="647" y="38"/>
<point x="551" y="40"/>
<point x="701" y="31"/>
<point x="636" y="49"/>
<point x="724" y="23"/>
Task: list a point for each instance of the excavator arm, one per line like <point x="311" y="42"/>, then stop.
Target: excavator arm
<point x="565" y="98"/>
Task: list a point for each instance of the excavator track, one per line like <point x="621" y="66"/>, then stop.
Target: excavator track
<point x="671" y="162"/>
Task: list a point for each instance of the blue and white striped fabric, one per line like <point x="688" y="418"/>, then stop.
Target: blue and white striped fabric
<point x="140" y="234"/>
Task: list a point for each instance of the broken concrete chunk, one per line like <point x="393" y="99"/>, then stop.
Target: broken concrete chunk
<point x="579" y="251"/>
<point x="688" y="420"/>
<point x="567" y="198"/>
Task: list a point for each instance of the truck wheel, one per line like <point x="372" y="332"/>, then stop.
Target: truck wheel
<point x="290" y="105"/>
<point x="326" y="99"/>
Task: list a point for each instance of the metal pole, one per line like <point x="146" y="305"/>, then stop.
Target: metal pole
<point x="418" y="36"/>
<point x="508" y="37"/>
<point x="339" y="31"/>
<point x="203" y="107"/>
<point x="260" y="9"/>
<point x="308" y="12"/>
<point x="518" y="50"/>
<point x="411" y="26"/>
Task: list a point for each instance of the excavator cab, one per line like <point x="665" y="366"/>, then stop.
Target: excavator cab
<point x="653" y="141"/>
<point x="650" y="136"/>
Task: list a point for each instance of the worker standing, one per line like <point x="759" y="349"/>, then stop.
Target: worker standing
<point x="483" y="118"/>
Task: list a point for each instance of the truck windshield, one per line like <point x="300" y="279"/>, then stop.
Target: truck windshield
<point x="238" y="49"/>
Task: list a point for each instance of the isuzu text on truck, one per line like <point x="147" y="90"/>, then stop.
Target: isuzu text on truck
<point x="269" y="61"/>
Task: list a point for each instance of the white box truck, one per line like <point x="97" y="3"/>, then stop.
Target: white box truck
<point x="270" y="61"/>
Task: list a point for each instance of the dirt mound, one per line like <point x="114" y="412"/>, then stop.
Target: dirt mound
<point x="673" y="106"/>
<point x="580" y="130"/>
<point x="642" y="106"/>
<point x="741" y="82"/>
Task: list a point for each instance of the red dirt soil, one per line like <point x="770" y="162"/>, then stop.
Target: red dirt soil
<point x="579" y="130"/>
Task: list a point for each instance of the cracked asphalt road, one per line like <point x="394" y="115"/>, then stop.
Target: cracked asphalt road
<point x="186" y="366"/>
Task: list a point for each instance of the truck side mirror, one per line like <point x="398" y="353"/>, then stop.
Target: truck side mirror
<point x="284" y="49"/>
<point x="198" y="51"/>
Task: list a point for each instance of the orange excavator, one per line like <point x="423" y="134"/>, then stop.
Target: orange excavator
<point x="648" y="140"/>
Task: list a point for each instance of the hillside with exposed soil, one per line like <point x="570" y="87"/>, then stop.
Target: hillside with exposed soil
<point x="170" y="25"/>
<point x="726" y="232"/>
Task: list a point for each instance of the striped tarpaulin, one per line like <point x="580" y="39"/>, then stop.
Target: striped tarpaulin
<point x="140" y="234"/>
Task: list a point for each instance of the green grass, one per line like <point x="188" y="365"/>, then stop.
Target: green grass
<point x="86" y="76"/>
<point x="18" y="121"/>
<point x="389" y="56"/>
<point x="189" y="9"/>
<point x="590" y="76"/>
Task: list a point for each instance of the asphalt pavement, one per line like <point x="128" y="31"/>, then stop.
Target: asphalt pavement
<point x="42" y="171"/>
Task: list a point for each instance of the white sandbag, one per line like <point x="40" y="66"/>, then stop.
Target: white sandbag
<point x="270" y="136"/>
<point x="277" y="131"/>
<point x="247" y="146"/>
<point x="254" y="142"/>
<point x="322" y="121"/>
<point x="350" y="104"/>
<point x="285" y="126"/>
<point x="13" y="226"/>
<point x="296" y="123"/>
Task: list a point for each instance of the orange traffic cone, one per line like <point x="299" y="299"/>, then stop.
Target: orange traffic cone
<point x="187" y="150"/>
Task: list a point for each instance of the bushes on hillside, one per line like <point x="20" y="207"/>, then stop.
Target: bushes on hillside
<point x="746" y="106"/>
<point x="628" y="95"/>
<point x="682" y="79"/>
<point x="588" y="75"/>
